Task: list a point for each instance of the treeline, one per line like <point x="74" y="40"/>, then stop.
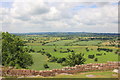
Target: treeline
<point x="104" y="49"/>
<point x="70" y="34"/>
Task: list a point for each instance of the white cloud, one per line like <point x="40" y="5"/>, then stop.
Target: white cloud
<point x="37" y="16"/>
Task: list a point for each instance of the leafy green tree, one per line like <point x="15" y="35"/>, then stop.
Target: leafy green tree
<point x="13" y="52"/>
<point x="48" y="55"/>
<point x="75" y="59"/>
<point x="46" y="66"/>
<point x="60" y="60"/>
<point x="52" y="59"/>
<point x="96" y="59"/>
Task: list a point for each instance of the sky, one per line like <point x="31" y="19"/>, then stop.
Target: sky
<point x="39" y="16"/>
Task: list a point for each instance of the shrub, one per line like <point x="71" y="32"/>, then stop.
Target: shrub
<point x="96" y="59"/>
<point x="46" y="66"/>
<point x="75" y="59"/>
<point x="31" y="50"/>
<point x="60" y="60"/>
<point x="55" y="50"/>
<point x="48" y="55"/>
<point x="64" y="64"/>
<point x="39" y="51"/>
<point x="104" y="53"/>
<point x="99" y="54"/>
<point x="104" y="49"/>
<point x="87" y="49"/>
<point x="91" y="56"/>
<point x="52" y="59"/>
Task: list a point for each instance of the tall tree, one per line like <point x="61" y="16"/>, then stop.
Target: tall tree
<point x="75" y="59"/>
<point x="13" y="52"/>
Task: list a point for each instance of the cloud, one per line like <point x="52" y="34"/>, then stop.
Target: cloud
<point x="29" y="16"/>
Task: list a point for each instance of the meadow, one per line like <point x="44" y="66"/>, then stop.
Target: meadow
<point x="40" y="60"/>
<point x="57" y="46"/>
<point x="48" y="51"/>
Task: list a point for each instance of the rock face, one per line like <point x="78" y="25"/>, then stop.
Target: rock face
<point x="66" y="70"/>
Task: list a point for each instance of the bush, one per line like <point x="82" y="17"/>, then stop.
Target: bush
<point x="91" y="56"/>
<point x="48" y="55"/>
<point x="104" y="49"/>
<point x="52" y="59"/>
<point x="75" y="59"/>
<point x="46" y="66"/>
<point x="96" y="59"/>
<point x="60" y="60"/>
<point x="39" y="51"/>
<point x="87" y="49"/>
<point x="31" y="50"/>
<point x="99" y="54"/>
<point x="64" y="64"/>
<point x="55" y="50"/>
<point x="104" y="53"/>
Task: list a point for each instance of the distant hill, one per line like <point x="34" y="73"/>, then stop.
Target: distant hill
<point x="69" y="34"/>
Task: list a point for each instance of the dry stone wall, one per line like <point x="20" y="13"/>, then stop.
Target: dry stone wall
<point x="68" y="70"/>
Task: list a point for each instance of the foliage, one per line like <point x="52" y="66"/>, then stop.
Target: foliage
<point x="75" y="59"/>
<point x="31" y="50"/>
<point x="52" y="59"/>
<point x="13" y="53"/>
<point x="46" y="66"/>
<point x="91" y="56"/>
<point x="61" y="60"/>
<point x="48" y="55"/>
<point x="104" y="49"/>
<point x="117" y="52"/>
<point x="96" y="59"/>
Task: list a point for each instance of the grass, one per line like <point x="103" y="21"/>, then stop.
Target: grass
<point x="87" y="43"/>
<point x="83" y="75"/>
<point x="60" y="43"/>
<point x="40" y="60"/>
<point x="97" y="74"/>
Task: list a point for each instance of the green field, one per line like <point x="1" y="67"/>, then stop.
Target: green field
<point x="40" y="60"/>
<point x="88" y="43"/>
<point x="58" y="44"/>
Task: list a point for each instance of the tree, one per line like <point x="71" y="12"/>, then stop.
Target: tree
<point x="31" y="50"/>
<point x="96" y="59"/>
<point x="55" y="50"/>
<point x="13" y="52"/>
<point x="91" y="56"/>
<point x="52" y="59"/>
<point x="48" y="55"/>
<point x="46" y="66"/>
<point x="75" y="59"/>
<point x="60" y="60"/>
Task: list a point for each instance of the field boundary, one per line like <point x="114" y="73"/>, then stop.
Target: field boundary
<point x="67" y="70"/>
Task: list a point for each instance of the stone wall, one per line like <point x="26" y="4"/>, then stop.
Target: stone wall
<point x="68" y="70"/>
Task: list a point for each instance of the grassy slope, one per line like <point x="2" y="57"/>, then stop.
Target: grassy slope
<point x="60" y="43"/>
<point x="87" y="43"/>
<point x="40" y="60"/>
